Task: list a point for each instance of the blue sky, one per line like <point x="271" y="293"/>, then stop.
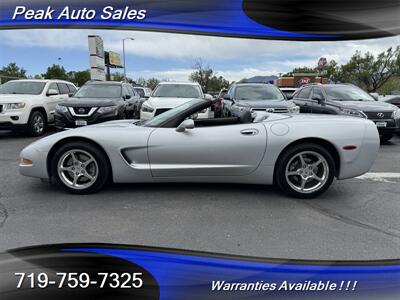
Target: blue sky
<point x="171" y="56"/>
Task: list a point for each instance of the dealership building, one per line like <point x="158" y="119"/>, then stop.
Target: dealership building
<point x="299" y="79"/>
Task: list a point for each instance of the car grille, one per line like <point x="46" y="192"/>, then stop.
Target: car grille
<point x="82" y="110"/>
<point x="160" y="111"/>
<point x="379" y="115"/>
<point x="281" y="110"/>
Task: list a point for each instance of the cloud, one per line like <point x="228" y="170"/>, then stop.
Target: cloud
<point x="233" y="58"/>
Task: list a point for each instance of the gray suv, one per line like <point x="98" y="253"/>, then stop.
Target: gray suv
<point x="350" y="100"/>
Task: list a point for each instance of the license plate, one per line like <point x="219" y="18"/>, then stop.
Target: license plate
<point x="381" y="124"/>
<point x="80" y="123"/>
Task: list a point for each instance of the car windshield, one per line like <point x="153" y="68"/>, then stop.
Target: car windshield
<point x="99" y="91"/>
<point x="177" y="90"/>
<point x="162" y="118"/>
<point x="22" y="87"/>
<point x="140" y="92"/>
<point x="347" y="93"/>
<point x="258" y="92"/>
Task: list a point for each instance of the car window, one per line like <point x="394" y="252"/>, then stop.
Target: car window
<point x="22" y="87"/>
<point x="63" y="88"/>
<point x="304" y="93"/>
<point x="178" y="91"/>
<point x="53" y="86"/>
<point x="347" y="93"/>
<point x="125" y="90"/>
<point x="99" y="91"/>
<point x="71" y="88"/>
<point x="258" y="92"/>
<point x="140" y="92"/>
<point x="317" y="92"/>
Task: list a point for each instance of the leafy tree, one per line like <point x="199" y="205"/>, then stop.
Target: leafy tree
<point x="301" y="70"/>
<point x="370" y="72"/>
<point x="37" y="76"/>
<point x="55" y="72"/>
<point x="206" y="77"/>
<point x="152" y="83"/>
<point x="81" y="77"/>
<point x="12" y="71"/>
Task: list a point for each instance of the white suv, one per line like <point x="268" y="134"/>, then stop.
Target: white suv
<point x="28" y="105"/>
<point x="170" y="94"/>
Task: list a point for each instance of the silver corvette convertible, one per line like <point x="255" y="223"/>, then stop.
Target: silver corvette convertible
<point x="300" y="153"/>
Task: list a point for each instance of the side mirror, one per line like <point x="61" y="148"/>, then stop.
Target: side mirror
<point x="70" y="94"/>
<point x="187" y="124"/>
<point x="228" y="97"/>
<point x="318" y="99"/>
<point x="126" y="97"/>
<point x="52" y="92"/>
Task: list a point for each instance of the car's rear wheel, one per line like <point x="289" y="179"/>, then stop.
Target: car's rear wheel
<point x="36" y="124"/>
<point x="305" y="171"/>
<point x="80" y="168"/>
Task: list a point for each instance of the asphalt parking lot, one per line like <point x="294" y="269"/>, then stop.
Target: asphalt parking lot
<point x="356" y="219"/>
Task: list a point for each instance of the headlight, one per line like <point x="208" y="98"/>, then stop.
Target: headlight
<point x="107" y="109"/>
<point x="61" y="109"/>
<point x="147" y="108"/>
<point x="396" y="114"/>
<point x="295" y="109"/>
<point x="354" y="113"/>
<point x="13" y="106"/>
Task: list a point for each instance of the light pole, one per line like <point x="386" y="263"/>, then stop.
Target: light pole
<point x="123" y="53"/>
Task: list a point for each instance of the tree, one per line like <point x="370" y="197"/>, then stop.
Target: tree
<point x="55" y="72"/>
<point x="12" y="71"/>
<point x="141" y="81"/>
<point x="370" y="72"/>
<point x="81" y="77"/>
<point x="300" y="70"/>
<point x="206" y="77"/>
<point x="152" y="83"/>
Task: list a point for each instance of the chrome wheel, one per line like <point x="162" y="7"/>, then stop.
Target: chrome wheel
<point x="77" y="169"/>
<point x="307" y="172"/>
<point x="38" y="124"/>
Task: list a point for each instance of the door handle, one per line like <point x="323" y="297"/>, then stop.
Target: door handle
<point x="249" y="131"/>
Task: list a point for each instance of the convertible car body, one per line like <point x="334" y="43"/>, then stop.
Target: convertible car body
<point x="301" y="153"/>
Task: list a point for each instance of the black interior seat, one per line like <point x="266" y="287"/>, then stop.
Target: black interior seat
<point x="216" y="121"/>
<point x="245" y="117"/>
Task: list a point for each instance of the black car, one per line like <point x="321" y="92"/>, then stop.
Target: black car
<point x="351" y="100"/>
<point x="255" y="97"/>
<point x="96" y="102"/>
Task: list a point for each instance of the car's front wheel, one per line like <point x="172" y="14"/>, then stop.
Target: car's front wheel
<point x="81" y="168"/>
<point x="305" y="171"/>
<point x="36" y="124"/>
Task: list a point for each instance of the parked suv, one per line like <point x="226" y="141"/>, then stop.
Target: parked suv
<point x="255" y="97"/>
<point x="28" y="105"/>
<point x="96" y="102"/>
<point x="351" y="100"/>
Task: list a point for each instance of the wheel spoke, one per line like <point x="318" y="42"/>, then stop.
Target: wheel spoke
<point x="74" y="158"/>
<point x="76" y="177"/>
<point x="319" y="161"/>
<point x="86" y="163"/>
<point x="303" y="183"/>
<point x="302" y="160"/>
<point x="292" y="173"/>
<point x="317" y="178"/>
<point x="88" y="176"/>
<point x="69" y="169"/>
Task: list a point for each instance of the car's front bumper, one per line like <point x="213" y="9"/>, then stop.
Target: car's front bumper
<point x="13" y="119"/>
<point x="38" y="167"/>
<point x="64" y="121"/>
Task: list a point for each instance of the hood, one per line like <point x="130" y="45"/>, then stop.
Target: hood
<point x="166" y="102"/>
<point x="265" y="103"/>
<point x="88" y="102"/>
<point x="9" y="98"/>
<point x="368" y="105"/>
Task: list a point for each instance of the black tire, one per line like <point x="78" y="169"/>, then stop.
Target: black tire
<point x="385" y="138"/>
<point x="34" y="127"/>
<point x="102" y="166"/>
<point x="289" y="157"/>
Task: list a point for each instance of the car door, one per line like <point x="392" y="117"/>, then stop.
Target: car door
<point x="303" y="100"/>
<point x="228" y="150"/>
<point x="323" y="106"/>
<point x="53" y="100"/>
